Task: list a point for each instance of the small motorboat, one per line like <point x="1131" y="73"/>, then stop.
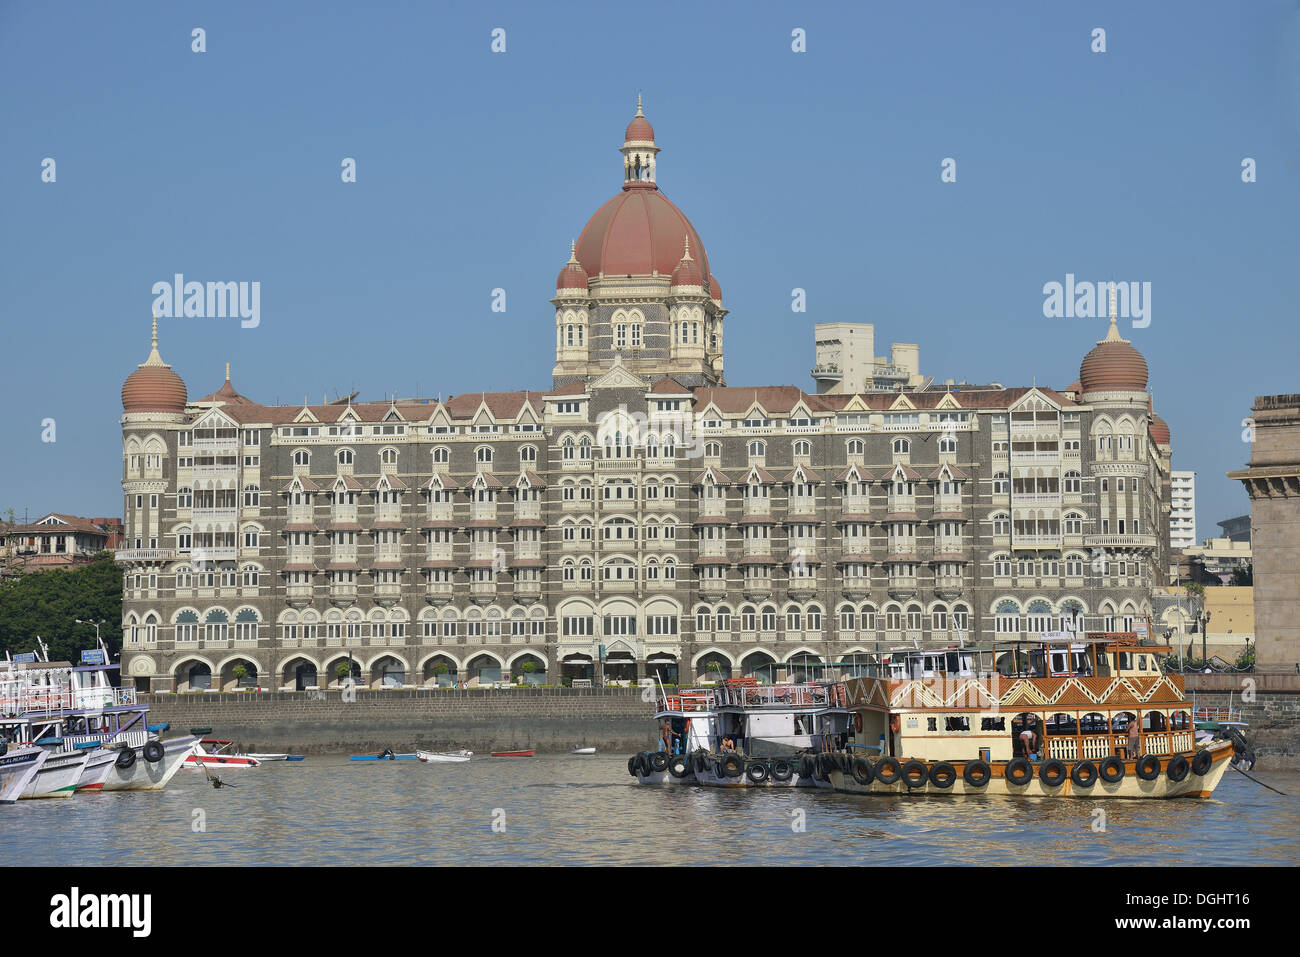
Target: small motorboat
<point x="213" y="753"/>
<point x="386" y="755"/>
<point x="444" y="757"/>
<point x="277" y="757"/>
<point x="512" y="754"/>
<point x="583" y="751"/>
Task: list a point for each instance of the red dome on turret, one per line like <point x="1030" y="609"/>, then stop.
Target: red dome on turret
<point x="1159" y="430"/>
<point x="153" y="386"/>
<point x="1113" y="365"/>
<point x="572" y="275"/>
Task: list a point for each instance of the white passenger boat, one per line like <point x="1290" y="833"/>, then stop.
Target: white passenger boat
<point x="150" y="766"/>
<point x="58" y="776"/>
<point x="444" y="757"/>
<point x="214" y="753"/>
<point x="98" y="764"/>
<point x="17" y="768"/>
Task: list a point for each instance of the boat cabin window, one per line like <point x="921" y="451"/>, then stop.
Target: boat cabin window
<point x="1061" y="723"/>
<point x="1142" y="662"/>
<point x="932" y="724"/>
<point x="1178" y="721"/>
<point x="1093" y="723"/>
<point x="957" y="722"/>
<point x="993" y="724"/>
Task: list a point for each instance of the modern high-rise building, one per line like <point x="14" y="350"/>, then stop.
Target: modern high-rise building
<point x="1182" y="510"/>
<point x="642" y="515"/>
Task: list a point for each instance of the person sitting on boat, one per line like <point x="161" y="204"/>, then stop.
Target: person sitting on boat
<point x="728" y="744"/>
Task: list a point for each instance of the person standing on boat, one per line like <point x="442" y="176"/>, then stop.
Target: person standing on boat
<point x="666" y="736"/>
<point x="1134" y="739"/>
<point x="1029" y="738"/>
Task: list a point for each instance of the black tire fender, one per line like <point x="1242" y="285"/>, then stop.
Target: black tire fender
<point x="943" y="775"/>
<point x="782" y="770"/>
<point x="888" y="770"/>
<point x="1148" y="767"/>
<point x="757" y="772"/>
<point x="1053" y="773"/>
<point x="631" y="765"/>
<point x="126" y="758"/>
<point x="679" y="766"/>
<point x="732" y="766"/>
<point x="1201" y="764"/>
<point x="1178" y="768"/>
<point x="658" y="761"/>
<point x="863" y="773"/>
<point x="807" y="766"/>
<point x="1111" y="769"/>
<point x="153" y="751"/>
<point x="976" y="774"/>
<point x="915" y="774"/>
<point x="1083" y="774"/>
<point x="1018" y="771"/>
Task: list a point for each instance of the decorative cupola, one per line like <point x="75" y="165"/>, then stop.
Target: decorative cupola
<point x="1113" y="365"/>
<point x="153" y="386"/>
<point x="687" y="277"/>
<point x="639" y="152"/>
<point x="573" y="278"/>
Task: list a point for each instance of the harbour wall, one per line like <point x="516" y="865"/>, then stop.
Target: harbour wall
<point x="1273" y="715"/>
<point x="546" y="720"/>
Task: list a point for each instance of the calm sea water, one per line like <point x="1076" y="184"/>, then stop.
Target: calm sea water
<point x="586" y="810"/>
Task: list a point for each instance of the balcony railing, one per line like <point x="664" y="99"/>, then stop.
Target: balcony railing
<point x="1120" y="541"/>
<point x="225" y="516"/>
<point x="144" y="554"/>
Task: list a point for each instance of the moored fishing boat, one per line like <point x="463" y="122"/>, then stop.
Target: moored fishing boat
<point x="512" y="754"/>
<point x="385" y="755"/>
<point x="277" y="756"/>
<point x="150" y="766"/>
<point x="1056" y="716"/>
<point x="17" y="768"/>
<point x="96" y="771"/>
<point x="58" y="776"/>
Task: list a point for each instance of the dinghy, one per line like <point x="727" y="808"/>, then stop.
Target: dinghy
<point x="583" y="751"/>
<point x="512" y="754"/>
<point x="444" y="757"/>
<point x="277" y="757"/>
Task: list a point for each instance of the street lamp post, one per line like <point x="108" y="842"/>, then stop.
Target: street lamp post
<point x="81" y="621"/>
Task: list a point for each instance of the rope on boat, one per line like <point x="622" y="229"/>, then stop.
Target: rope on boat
<point x="1259" y="782"/>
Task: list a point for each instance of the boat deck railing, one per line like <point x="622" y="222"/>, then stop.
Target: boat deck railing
<point x="41" y="701"/>
<point x="1098" y="746"/>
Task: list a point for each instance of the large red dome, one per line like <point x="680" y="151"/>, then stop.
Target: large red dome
<point x="636" y="233"/>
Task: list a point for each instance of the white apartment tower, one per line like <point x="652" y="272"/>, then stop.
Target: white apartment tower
<point x="1182" y="513"/>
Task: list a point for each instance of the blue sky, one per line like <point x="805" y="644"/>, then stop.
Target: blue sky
<point x="818" y="170"/>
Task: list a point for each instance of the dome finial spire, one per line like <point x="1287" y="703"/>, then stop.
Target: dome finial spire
<point x="227" y="371"/>
<point x="573" y="250"/>
<point x="1112" y="334"/>
<point x="155" y="358"/>
<point x="638" y="104"/>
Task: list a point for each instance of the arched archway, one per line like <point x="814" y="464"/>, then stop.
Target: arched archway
<point x="713" y="666"/>
<point x="760" y="665"/>
<point x="193" y="675"/>
<point x="232" y="680"/>
<point x="805" y="666"/>
<point x="440" y="670"/>
<point x="529" y="667"/>
<point x="299" y="674"/>
<point x="388" y="672"/>
<point x="483" y="669"/>
<point x="337" y="669"/>
<point x="577" y="666"/>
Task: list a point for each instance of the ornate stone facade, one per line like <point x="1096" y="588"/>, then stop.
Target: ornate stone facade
<point x="643" y="508"/>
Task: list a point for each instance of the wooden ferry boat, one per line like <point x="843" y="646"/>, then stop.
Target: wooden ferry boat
<point x="1082" y="717"/>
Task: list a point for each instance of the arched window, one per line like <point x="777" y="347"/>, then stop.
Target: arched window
<point x="902" y="446"/>
<point x="528" y="454"/>
<point x="345" y="456"/>
<point x="302" y="457"/>
<point x="757" y="449"/>
<point x="483" y="455"/>
<point x="1001" y="484"/>
<point x="441" y="455"/>
<point x="855" y="447"/>
<point x="1007" y="619"/>
<point x="252" y="496"/>
<point x="388" y="456"/>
